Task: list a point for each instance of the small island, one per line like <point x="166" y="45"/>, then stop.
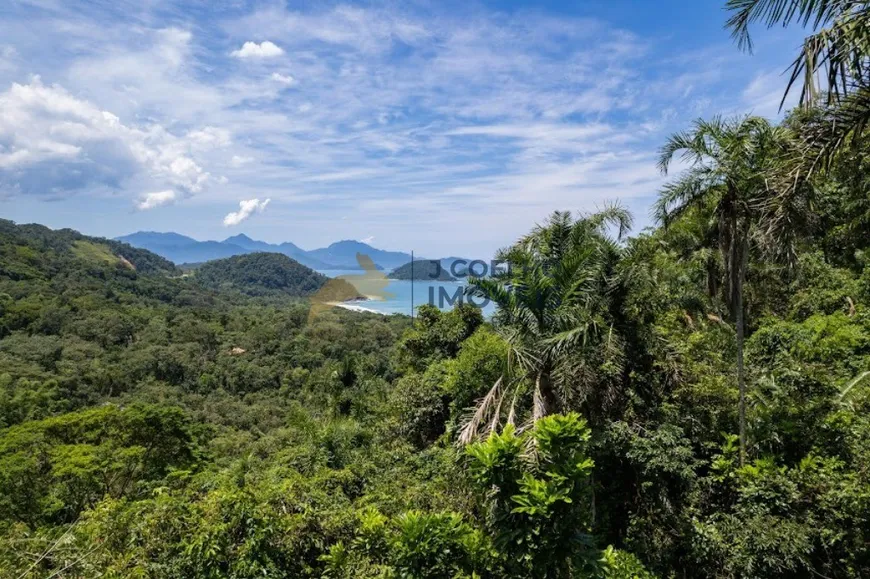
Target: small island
<point x="422" y="270"/>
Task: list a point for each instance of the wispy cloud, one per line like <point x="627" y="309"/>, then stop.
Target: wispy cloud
<point x="457" y="117"/>
<point x="764" y="94"/>
<point x="239" y="160"/>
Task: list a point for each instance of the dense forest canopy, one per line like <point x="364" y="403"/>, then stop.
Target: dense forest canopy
<point x="263" y="274"/>
<point x="689" y="401"/>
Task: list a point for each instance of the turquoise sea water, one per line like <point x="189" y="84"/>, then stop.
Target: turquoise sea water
<point x="399" y="295"/>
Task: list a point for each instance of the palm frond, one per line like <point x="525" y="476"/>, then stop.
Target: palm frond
<point x="677" y="197"/>
<point x="832" y="59"/>
<point x="512" y="413"/>
<point x="611" y="214"/>
<point x="485" y="406"/>
<point x="783" y="12"/>
<point x="539" y="406"/>
<point x="677" y="142"/>
<point x="844" y="393"/>
<point x="836" y="128"/>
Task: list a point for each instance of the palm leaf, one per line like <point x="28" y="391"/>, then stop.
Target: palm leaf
<point x="848" y="387"/>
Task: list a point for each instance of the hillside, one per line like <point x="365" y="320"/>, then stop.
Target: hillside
<point x="118" y="385"/>
<point x="35" y="251"/>
<point x="263" y="274"/>
<point x="422" y="270"/>
<point x="53" y="280"/>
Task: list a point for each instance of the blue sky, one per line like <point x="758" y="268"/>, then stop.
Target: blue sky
<point x="445" y="127"/>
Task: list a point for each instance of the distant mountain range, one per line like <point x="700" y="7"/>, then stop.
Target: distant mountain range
<point x="340" y="255"/>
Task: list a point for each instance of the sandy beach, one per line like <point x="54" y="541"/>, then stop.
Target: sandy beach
<point x="354" y="306"/>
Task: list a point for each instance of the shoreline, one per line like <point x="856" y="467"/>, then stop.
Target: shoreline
<point x="352" y="306"/>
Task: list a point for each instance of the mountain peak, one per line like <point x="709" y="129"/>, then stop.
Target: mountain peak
<point x="139" y="238"/>
<point x="350" y="243"/>
<point x="239" y="237"/>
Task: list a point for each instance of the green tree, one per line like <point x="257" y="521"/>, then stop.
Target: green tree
<point x="742" y="171"/>
<point x="52" y="469"/>
<point x="555" y="311"/>
<point x="437" y="335"/>
<point x="539" y="496"/>
<point x="480" y="362"/>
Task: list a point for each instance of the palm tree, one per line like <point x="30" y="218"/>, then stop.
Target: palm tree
<point x="835" y="59"/>
<point x="553" y="310"/>
<point x="749" y="175"/>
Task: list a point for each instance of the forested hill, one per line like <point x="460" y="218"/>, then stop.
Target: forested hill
<point x="54" y="281"/>
<point x="37" y="251"/>
<point x="263" y="274"/>
<point x="422" y="269"/>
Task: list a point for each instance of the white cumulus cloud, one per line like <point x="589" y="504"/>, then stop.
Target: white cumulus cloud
<point x="264" y="49"/>
<point x="283" y="78"/>
<point x="52" y="141"/>
<point x="155" y="199"/>
<point x="246" y="208"/>
<point x="187" y="173"/>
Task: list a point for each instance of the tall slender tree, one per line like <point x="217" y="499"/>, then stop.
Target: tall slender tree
<point x="554" y="311"/>
<point x="748" y="173"/>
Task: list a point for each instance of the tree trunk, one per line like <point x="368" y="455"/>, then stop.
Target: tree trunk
<point x="545" y="402"/>
<point x="741" y="378"/>
<point x="737" y="261"/>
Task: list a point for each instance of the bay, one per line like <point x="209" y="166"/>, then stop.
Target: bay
<point x="399" y="295"/>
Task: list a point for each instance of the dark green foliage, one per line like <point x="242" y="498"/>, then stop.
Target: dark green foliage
<point x="261" y="274"/>
<point x="31" y="251"/>
<point x="481" y="360"/>
<point x="438" y="335"/>
<point x="423" y="405"/>
<point x="54" y="468"/>
<point x="540" y="504"/>
<point x="537" y="494"/>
